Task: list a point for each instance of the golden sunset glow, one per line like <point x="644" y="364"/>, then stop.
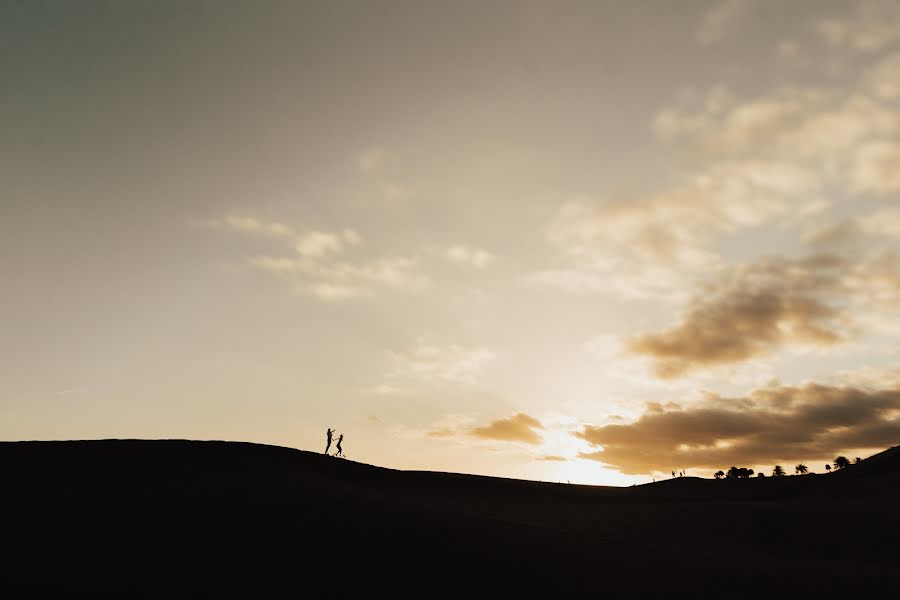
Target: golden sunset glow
<point x="591" y="242"/>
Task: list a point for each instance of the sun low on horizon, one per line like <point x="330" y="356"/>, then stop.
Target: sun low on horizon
<point x="595" y="242"/>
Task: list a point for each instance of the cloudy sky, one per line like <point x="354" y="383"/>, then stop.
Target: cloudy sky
<point x="585" y="241"/>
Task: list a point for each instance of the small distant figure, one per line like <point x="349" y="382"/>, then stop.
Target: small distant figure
<point x="329" y="434"/>
<point x="340" y="451"/>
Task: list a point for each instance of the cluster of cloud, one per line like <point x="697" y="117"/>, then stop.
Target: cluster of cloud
<point x="792" y="159"/>
<point x="660" y="244"/>
<point x="519" y="427"/>
<point x="774" y="159"/>
<point x="868" y="26"/>
<point x="657" y="244"/>
<point x="639" y="248"/>
<point x="797" y="160"/>
<point x="316" y="264"/>
<point x="843" y="133"/>
<point x="772" y="425"/>
<point x="874" y="25"/>
<point x="799" y="140"/>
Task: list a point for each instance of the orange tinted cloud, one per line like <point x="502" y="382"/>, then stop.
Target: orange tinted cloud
<point x="517" y="428"/>
<point x="768" y="426"/>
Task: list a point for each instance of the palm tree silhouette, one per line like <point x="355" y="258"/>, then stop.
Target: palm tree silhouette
<point x="778" y="471"/>
<point x="801" y="469"/>
<point x="841" y="462"/>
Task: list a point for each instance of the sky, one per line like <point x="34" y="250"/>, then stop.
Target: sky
<point x="594" y="242"/>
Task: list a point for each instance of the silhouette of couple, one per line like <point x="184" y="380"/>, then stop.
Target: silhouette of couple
<point x="340" y="451"/>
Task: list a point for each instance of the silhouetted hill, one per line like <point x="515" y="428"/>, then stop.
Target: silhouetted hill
<point x="884" y="465"/>
<point x="183" y="518"/>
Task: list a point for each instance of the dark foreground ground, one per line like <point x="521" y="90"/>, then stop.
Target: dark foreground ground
<point x="209" y="519"/>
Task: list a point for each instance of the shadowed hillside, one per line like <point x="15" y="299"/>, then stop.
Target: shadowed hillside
<point x="181" y="517"/>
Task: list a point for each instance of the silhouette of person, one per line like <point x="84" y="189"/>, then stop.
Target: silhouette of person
<point x="329" y="434"/>
<point x="339" y="450"/>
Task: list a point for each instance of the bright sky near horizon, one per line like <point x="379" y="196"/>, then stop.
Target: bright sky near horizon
<point x="584" y="241"/>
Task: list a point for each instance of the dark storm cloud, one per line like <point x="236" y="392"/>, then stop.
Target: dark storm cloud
<point x="769" y="426"/>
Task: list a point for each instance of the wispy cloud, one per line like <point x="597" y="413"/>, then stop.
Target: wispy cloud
<point x="552" y="458"/>
<point x="450" y="363"/>
<point x="803" y="137"/>
<point x="720" y="21"/>
<point x="876" y="168"/>
<point x="471" y="257"/>
<point x="319" y="243"/>
<point x="372" y="159"/>
<point x="871" y="26"/>
<point x="315" y="263"/>
<point x="779" y="158"/>
<point x="249" y="225"/>
<point x="341" y="280"/>
<point x="640" y="247"/>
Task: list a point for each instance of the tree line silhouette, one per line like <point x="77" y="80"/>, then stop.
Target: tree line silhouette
<point x="840" y="462"/>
